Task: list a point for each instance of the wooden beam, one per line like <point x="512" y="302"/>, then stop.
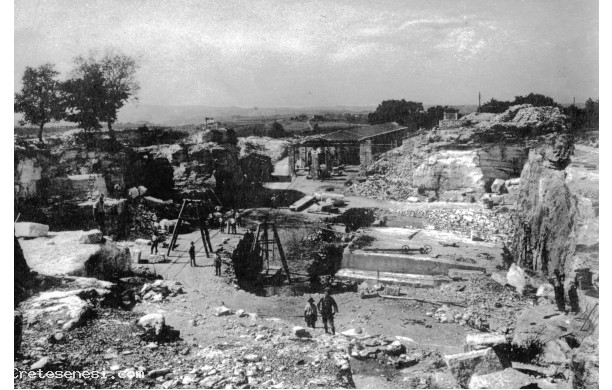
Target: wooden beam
<point x="281" y="252"/>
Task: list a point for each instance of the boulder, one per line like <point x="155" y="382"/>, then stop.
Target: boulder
<point x="480" y="362"/>
<point x="516" y="278"/>
<point x="298" y="331"/>
<point x="40" y="364"/>
<point x="546" y="291"/>
<point x="499" y="278"/>
<point x="506" y="379"/>
<point x="68" y="308"/>
<point x="154" y="324"/>
<point x="498" y="186"/>
<point x="241" y="313"/>
<point x="513" y="182"/>
<point x="476" y="341"/>
<point x="31" y="229"/>
<point x="585" y="364"/>
<point x="395" y="348"/>
<point x="221" y="311"/>
<point x="133" y="193"/>
<point x="91" y="237"/>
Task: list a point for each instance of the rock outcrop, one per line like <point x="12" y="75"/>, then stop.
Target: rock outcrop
<point x="563" y="226"/>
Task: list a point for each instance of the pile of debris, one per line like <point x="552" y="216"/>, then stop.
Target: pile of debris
<point x="160" y="290"/>
<point x="490" y="225"/>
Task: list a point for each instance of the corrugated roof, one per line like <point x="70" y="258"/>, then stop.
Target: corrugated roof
<point x="361" y="133"/>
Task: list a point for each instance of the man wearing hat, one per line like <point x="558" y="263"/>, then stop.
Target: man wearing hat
<point x="310" y="313"/>
<point x="328" y="307"/>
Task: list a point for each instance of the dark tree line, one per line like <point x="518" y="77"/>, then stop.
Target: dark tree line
<point x="407" y="113"/>
<point x="94" y="92"/>
<point x="412" y="113"/>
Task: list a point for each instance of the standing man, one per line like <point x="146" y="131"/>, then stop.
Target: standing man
<point x="154" y="242"/>
<point x="310" y="313"/>
<point x="192" y="255"/>
<point x="222" y="224"/>
<point x="559" y="295"/>
<point x="217" y="264"/>
<point x="328" y="307"/>
<point x="572" y="294"/>
<point x="99" y="214"/>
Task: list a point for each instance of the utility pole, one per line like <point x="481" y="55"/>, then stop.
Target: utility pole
<point x="478" y="101"/>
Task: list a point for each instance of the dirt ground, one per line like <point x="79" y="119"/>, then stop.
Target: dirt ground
<point x="375" y="316"/>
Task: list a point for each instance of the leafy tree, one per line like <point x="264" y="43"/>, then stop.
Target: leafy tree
<point x="495" y="106"/>
<point x="39" y="100"/>
<point x="399" y="111"/>
<point x="120" y="86"/>
<point x="535" y="99"/>
<point x="276" y="130"/>
<point x="85" y="96"/>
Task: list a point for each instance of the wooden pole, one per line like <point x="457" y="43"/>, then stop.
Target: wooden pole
<point x="201" y="223"/>
<point x="281" y="253"/>
<point x="176" y="228"/>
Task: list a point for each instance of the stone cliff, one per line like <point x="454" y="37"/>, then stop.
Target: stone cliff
<point x="563" y="223"/>
<point x="461" y="163"/>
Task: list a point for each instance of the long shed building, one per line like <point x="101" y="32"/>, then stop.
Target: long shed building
<point x="360" y="145"/>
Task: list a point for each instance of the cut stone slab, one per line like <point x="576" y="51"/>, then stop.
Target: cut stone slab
<point x="480" y="362"/>
<point x="506" y="379"/>
<point x="91" y="237"/>
<point x="31" y="229"/>
<point x="478" y="341"/>
<point x="69" y="257"/>
<point x="498" y="186"/>
<point x="221" y="311"/>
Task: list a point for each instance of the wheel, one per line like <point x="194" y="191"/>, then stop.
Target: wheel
<point x="425" y="249"/>
<point x="406" y="249"/>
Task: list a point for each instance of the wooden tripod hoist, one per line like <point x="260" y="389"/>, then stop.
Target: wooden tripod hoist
<point x="190" y="205"/>
<point x="267" y="245"/>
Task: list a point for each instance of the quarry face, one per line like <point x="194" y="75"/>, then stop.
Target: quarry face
<point x="441" y="253"/>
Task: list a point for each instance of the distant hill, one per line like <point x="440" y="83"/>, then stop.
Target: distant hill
<point x="179" y="115"/>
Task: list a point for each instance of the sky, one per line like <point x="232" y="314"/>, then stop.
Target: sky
<point x="324" y="53"/>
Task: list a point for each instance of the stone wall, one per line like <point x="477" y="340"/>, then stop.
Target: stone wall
<point x="494" y="225"/>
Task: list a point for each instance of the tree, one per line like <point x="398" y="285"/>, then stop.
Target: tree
<point x="535" y="99"/>
<point x="120" y="86"/>
<point x="399" y="111"/>
<point x="276" y="130"/>
<point x="85" y="96"/>
<point x="39" y="100"/>
<point x="495" y="106"/>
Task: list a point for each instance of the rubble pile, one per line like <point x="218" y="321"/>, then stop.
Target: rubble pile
<point x="259" y="353"/>
<point x="160" y="290"/>
<point x="493" y="225"/>
<point x="143" y="218"/>
<point x="459" y="164"/>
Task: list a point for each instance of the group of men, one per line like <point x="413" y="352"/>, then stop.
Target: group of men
<point x="327" y="307"/>
<point x="572" y="293"/>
